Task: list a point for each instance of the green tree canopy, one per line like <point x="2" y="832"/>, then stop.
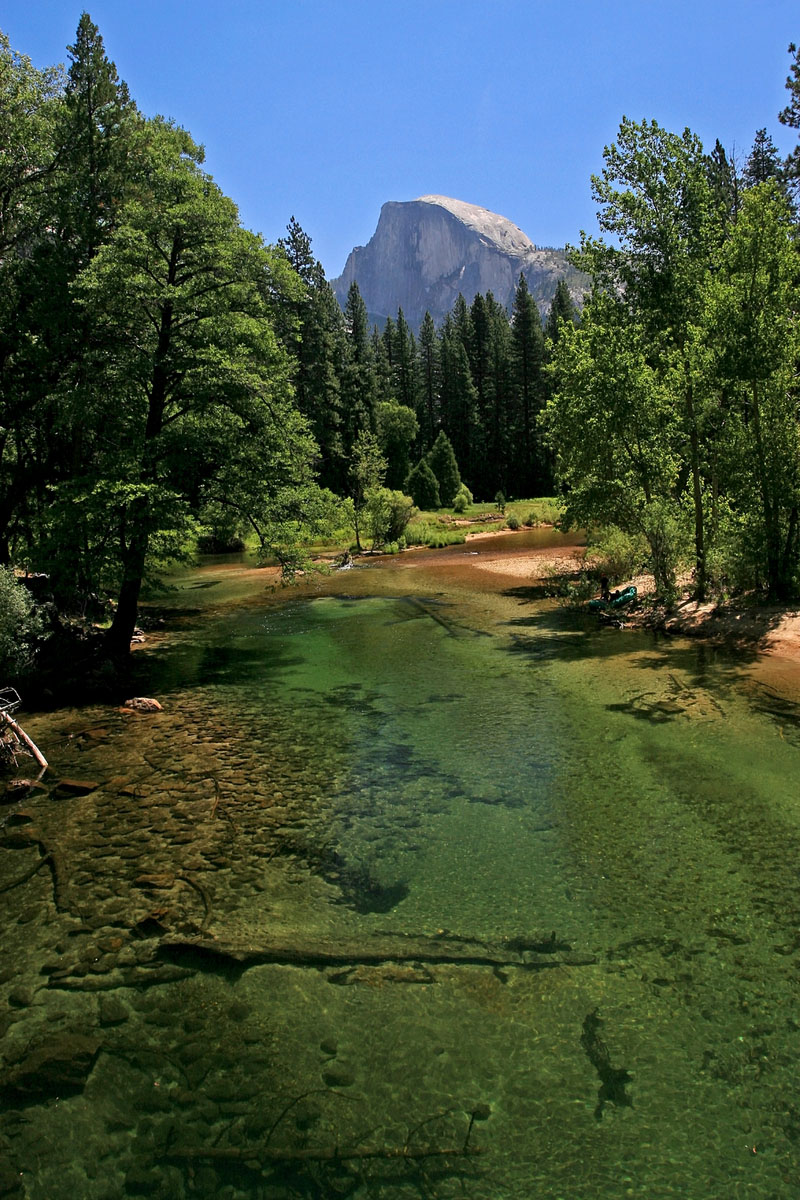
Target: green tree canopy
<point x="187" y="385"/>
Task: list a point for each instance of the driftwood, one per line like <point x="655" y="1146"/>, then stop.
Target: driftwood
<point x="26" y="741"/>
<point x="202" y="893"/>
<point x="50" y="858"/>
<point x="381" y="948"/>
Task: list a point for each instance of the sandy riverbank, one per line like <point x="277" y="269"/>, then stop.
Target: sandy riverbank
<point x="770" y="629"/>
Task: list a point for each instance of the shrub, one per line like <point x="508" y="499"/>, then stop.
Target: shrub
<point x="387" y="515"/>
<point x="20" y="624"/>
<point x="571" y="592"/>
<point x="617" y="554"/>
<point x="513" y="521"/>
<point x="463" y="499"/>
<point x="500" y="502"/>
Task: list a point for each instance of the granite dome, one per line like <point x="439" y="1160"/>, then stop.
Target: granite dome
<point x="426" y="252"/>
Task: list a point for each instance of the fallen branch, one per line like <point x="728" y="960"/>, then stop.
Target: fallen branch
<point x="9" y="887"/>
<point x="341" y="952"/>
<point x="50" y="858"/>
<point x="202" y="893"/>
<point x="217" y="808"/>
<point x="20" y="733"/>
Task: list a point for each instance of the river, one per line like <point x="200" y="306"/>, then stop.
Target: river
<point x="419" y="886"/>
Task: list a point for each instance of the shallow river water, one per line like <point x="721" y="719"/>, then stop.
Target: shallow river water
<point x="419" y="886"/>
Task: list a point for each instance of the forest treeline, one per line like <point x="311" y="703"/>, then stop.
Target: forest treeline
<point x="164" y="372"/>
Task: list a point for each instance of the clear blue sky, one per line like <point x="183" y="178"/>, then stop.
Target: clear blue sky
<point x="324" y="109"/>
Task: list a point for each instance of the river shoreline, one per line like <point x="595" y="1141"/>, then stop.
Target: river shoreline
<point x="771" y="630"/>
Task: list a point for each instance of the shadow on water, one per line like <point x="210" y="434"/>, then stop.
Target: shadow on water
<point x="176" y="667"/>
<point x="769" y="702"/>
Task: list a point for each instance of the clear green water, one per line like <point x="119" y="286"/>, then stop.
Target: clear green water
<point x="429" y="751"/>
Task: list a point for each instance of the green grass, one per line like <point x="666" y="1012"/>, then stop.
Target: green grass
<point x="438" y="529"/>
<point x="429" y="527"/>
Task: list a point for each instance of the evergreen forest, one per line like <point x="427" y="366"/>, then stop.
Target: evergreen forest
<point x="168" y="377"/>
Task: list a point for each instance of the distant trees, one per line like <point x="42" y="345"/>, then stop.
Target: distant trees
<point x="481" y="380"/>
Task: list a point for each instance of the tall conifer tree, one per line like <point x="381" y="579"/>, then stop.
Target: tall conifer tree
<point x="527" y="362"/>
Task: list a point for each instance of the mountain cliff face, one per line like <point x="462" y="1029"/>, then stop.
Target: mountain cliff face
<point x="425" y="252"/>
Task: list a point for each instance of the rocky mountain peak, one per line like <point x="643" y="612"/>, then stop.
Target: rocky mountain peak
<point x="425" y="252"/>
<point x="496" y="230"/>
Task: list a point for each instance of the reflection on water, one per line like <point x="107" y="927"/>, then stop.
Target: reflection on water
<point x="411" y="891"/>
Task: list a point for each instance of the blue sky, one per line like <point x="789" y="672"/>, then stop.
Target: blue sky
<point x="324" y="109"/>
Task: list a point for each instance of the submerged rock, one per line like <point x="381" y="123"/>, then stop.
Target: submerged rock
<point x="112" y="1011"/>
<point x="21" y="996"/>
<point x="59" y="1066"/>
<point x="75" y="787"/>
<point x="142" y="704"/>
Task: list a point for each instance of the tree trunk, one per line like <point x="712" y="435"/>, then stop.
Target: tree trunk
<point x="790" y="550"/>
<point x="697" y="499"/>
<point x="118" y="638"/>
<point x="770" y="510"/>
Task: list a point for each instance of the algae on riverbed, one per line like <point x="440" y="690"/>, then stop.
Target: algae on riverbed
<point x="340" y="769"/>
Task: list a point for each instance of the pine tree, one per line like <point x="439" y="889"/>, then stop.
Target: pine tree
<point x="489" y="362"/>
<point x="358" y="381"/>
<point x="428" y="382"/>
<point x="97" y="150"/>
<point x="382" y="349"/>
<point x="457" y="396"/>
<point x="422" y="487"/>
<point x="562" y="308"/>
<point x="763" y="161"/>
<point x="318" y="350"/>
<point x="403" y="361"/>
<point x="724" y="183"/>
<point x="790" y="116"/>
<point x="442" y="461"/>
<point x="499" y="433"/>
<point x="531" y="475"/>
